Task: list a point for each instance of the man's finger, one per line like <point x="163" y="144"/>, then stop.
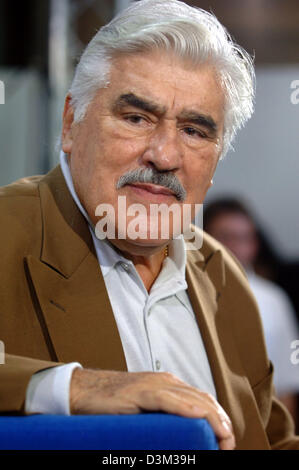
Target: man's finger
<point x="171" y="402"/>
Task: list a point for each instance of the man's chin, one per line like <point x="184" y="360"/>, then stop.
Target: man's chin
<point x="140" y="247"/>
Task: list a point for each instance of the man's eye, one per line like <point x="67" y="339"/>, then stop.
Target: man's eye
<point x="194" y="132"/>
<point x="134" y="118"/>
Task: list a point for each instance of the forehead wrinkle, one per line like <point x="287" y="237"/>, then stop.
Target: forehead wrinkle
<point x="190" y="114"/>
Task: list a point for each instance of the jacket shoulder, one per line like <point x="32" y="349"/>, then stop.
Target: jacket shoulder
<point x="21" y="188"/>
<point x="20" y="217"/>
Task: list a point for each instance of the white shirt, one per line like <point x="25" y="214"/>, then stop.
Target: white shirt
<point x="280" y="328"/>
<point x="158" y="329"/>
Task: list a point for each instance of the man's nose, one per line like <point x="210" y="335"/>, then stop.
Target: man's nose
<point x="164" y="149"/>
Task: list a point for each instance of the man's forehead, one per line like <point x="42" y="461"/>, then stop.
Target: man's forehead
<point x="151" y="74"/>
<point x="165" y="85"/>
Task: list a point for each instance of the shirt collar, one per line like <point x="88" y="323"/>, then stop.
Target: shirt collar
<point x="69" y="182"/>
<point x="174" y="264"/>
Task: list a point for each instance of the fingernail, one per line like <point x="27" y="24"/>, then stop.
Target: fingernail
<point x="231" y="443"/>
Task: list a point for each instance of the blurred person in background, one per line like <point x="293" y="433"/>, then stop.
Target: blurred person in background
<point x="229" y="221"/>
<point x="272" y="265"/>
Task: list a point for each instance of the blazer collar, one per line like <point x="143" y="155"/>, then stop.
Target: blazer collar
<point x="67" y="240"/>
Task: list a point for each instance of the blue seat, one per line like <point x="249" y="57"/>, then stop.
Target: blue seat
<point x="149" y="431"/>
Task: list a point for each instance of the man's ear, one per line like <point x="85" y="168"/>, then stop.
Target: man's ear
<point x="67" y="121"/>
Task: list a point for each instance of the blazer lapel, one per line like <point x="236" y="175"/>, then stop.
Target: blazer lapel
<point x="206" y="279"/>
<point x="72" y="302"/>
<point x="203" y="296"/>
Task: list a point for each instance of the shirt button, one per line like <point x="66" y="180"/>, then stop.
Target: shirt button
<point x="158" y="365"/>
<point x="125" y="266"/>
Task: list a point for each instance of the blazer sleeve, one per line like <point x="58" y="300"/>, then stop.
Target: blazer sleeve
<point x="15" y="375"/>
<point x="20" y="330"/>
<point x="277" y="420"/>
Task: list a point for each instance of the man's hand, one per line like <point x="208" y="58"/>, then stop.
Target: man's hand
<point x="112" y="392"/>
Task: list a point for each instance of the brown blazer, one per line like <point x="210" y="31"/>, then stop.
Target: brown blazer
<point x="54" y="308"/>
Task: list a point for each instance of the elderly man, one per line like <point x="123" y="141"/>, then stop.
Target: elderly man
<point x="156" y="100"/>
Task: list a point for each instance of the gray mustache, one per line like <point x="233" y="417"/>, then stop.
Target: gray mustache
<point x="152" y="176"/>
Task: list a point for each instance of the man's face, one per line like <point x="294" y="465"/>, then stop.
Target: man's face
<point x="155" y="113"/>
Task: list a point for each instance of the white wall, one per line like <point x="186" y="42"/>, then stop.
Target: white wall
<point x="22" y="125"/>
<point x="264" y="169"/>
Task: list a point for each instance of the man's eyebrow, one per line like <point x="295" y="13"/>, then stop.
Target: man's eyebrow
<point x="130" y="99"/>
<point x="199" y="119"/>
<point x="133" y="100"/>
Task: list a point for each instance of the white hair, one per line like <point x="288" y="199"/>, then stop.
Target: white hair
<point x="190" y="33"/>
